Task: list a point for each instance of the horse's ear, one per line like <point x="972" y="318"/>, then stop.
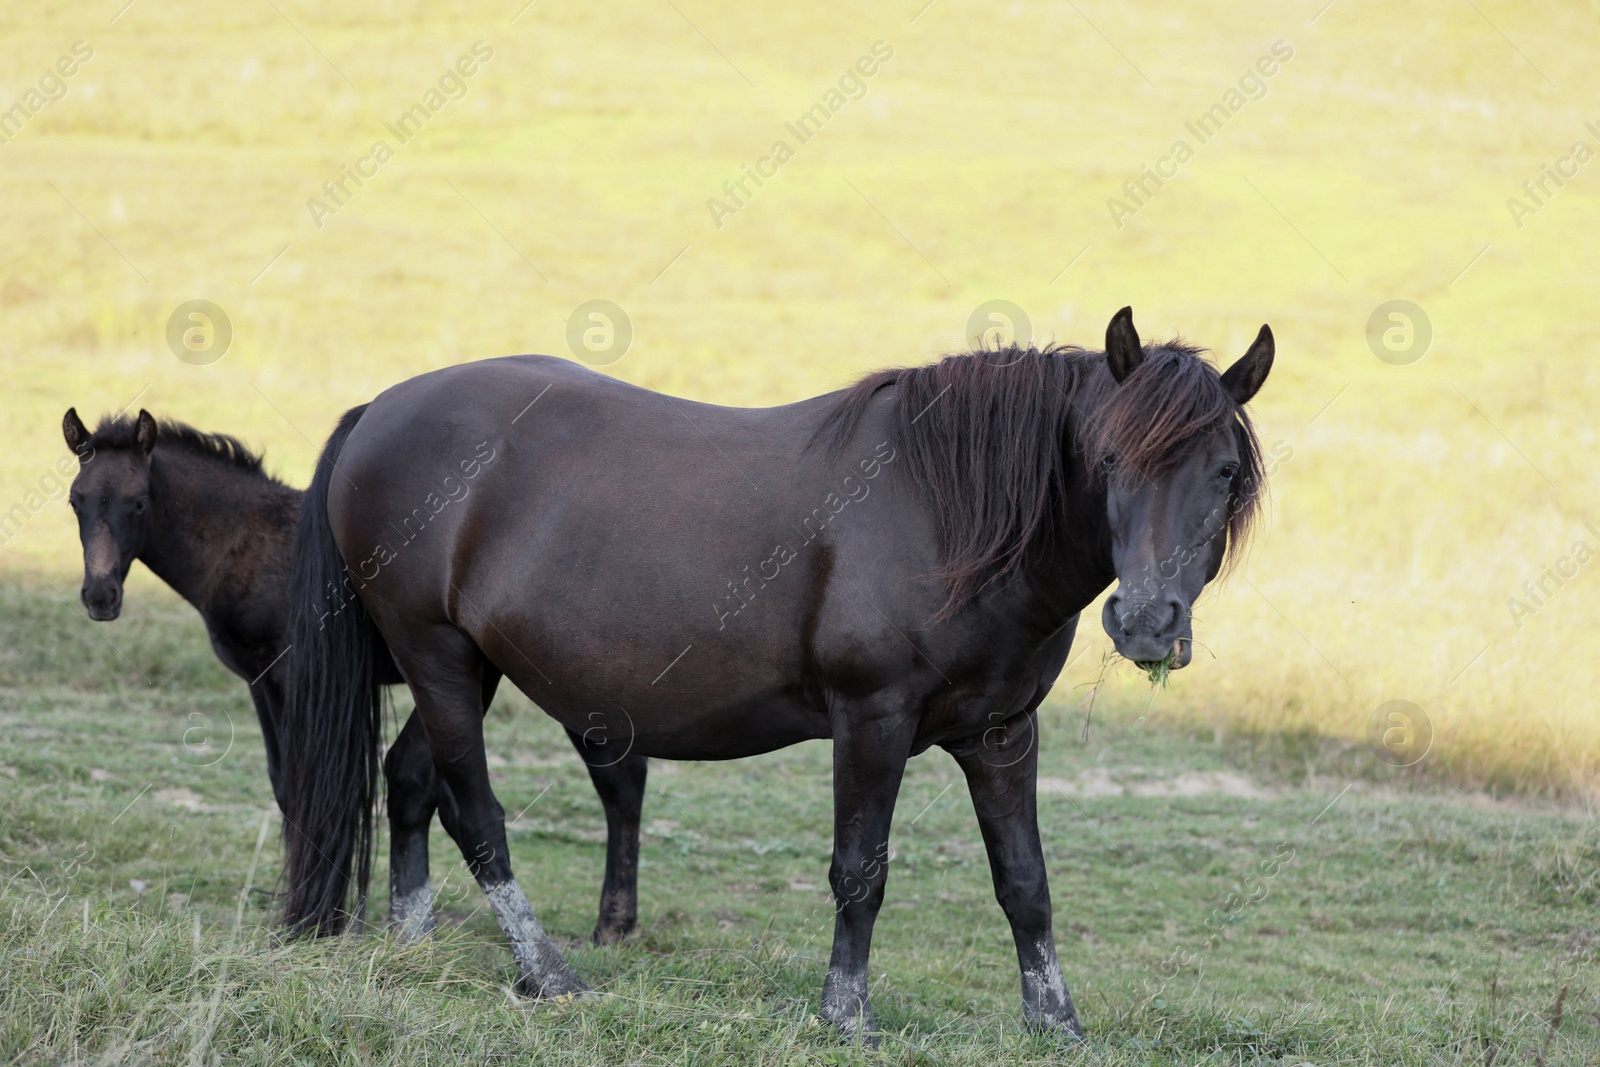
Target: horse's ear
<point x="1123" y="351"/>
<point x="144" y="434"/>
<point x="73" y="429"/>
<point x="1243" y="380"/>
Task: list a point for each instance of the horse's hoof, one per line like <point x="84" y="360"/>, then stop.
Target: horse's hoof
<point x="559" y="985"/>
<point x="846" y="1008"/>
<point x="852" y="1034"/>
<point x="411" y="916"/>
<point x="856" y="1028"/>
<point x="410" y="931"/>
<point x="1057" y="1024"/>
<point x="613" y="935"/>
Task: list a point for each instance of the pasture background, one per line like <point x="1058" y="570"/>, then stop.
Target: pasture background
<point x="1413" y="502"/>
<point x="1418" y="499"/>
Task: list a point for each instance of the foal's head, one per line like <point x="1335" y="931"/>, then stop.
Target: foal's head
<point x="111" y="497"/>
<point x="1183" y="479"/>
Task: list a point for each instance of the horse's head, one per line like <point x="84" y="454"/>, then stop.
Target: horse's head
<point x="111" y="497"/>
<point x="1183" y="479"/>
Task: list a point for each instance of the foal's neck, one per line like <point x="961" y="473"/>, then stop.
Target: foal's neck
<point x="201" y="510"/>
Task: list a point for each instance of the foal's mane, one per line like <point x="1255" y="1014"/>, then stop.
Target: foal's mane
<point x="995" y="437"/>
<point x="121" y="432"/>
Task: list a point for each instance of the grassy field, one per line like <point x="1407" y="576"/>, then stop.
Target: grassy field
<point x="1429" y="540"/>
<point x="1210" y="908"/>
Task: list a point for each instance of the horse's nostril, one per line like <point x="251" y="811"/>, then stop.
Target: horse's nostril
<point x="101" y="597"/>
<point x="1144" y="614"/>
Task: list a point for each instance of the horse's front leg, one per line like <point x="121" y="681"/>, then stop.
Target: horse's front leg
<point x="1001" y="767"/>
<point x="871" y="742"/>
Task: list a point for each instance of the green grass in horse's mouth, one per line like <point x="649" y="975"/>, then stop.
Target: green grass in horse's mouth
<point x="1159" y="670"/>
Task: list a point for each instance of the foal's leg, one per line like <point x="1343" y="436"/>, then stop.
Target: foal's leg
<point x="267" y="696"/>
<point x="445" y="671"/>
<point x="1001" y="769"/>
<point x="415" y="790"/>
<point x="620" y="783"/>
<point x="871" y="742"/>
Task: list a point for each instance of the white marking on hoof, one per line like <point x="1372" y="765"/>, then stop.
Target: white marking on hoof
<point x="544" y="970"/>
<point x="1045" y="1000"/>
<point x="1045" y="985"/>
<point x="845" y="1006"/>
<point x="411" y="914"/>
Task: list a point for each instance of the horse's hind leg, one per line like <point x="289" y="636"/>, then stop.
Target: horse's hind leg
<point x="1001" y="769"/>
<point x="445" y="671"/>
<point x="415" y="791"/>
<point x="410" y="779"/>
<point x="620" y="783"/>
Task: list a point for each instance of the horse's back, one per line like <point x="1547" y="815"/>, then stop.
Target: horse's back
<point x="546" y="391"/>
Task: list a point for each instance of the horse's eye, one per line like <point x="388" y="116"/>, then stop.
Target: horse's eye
<point x="1109" y="463"/>
<point x="1229" y="472"/>
<point x="139" y="505"/>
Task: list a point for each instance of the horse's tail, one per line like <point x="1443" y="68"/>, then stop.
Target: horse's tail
<point x="332" y="721"/>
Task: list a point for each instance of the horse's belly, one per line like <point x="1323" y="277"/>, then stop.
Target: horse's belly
<point x="748" y="727"/>
<point x="749" y="737"/>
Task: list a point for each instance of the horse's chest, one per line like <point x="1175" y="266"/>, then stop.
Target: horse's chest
<point x="1009" y="679"/>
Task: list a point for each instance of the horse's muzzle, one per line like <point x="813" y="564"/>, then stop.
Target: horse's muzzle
<point x="1149" y="631"/>
<point x="102" y="599"/>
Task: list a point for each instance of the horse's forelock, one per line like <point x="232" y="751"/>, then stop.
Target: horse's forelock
<point x="1153" y="421"/>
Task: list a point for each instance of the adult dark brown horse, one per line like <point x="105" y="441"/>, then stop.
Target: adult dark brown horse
<point x="198" y="509"/>
<point x="896" y="566"/>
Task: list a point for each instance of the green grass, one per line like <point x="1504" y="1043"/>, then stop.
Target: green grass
<point x="1159" y="672"/>
<point x="1218" y="900"/>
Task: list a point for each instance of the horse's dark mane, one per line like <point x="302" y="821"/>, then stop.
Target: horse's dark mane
<point x="121" y="432"/>
<point x="992" y="435"/>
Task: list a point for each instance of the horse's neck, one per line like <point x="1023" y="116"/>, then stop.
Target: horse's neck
<point x="198" y="506"/>
<point x="1077" y="566"/>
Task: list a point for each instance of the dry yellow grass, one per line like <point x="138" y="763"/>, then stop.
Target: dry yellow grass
<point x="1376" y="163"/>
